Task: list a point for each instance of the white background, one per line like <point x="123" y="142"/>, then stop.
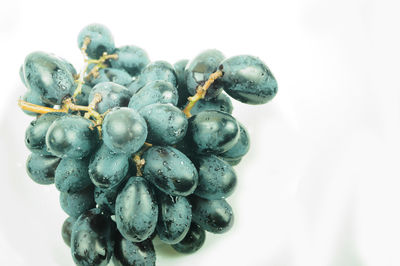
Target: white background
<point x="320" y="185"/>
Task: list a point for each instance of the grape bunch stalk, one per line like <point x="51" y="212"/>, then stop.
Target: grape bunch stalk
<point x="138" y="149"/>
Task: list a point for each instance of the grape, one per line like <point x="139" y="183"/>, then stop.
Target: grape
<point x="72" y="175"/>
<point x="66" y="230"/>
<point x="215" y="216"/>
<point x="91" y="239"/>
<point x="41" y="168"/>
<point x="35" y="134"/>
<point x="213" y="131"/>
<point x="128" y="253"/>
<point x="101" y="40"/>
<point x="154" y="92"/>
<point x="71" y="136"/>
<point x="193" y="240"/>
<point x="170" y="171"/>
<point x="182" y="87"/>
<point x="217" y="179"/>
<point x="131" y="58"/>
<point x="76" y="203"/>
<point x="159" y="70"/>
<point x="136" y="210"/>
<point x="83" y="97"/>
<point x="117" y="76"/>
<point x="220" y="103"/>
<point x="247" y="79"/>
<point x="174" y="217"/>
<point x="107" y="168"/>
<point x="112" y="95"/>
<point x="240" y="148"/>
<point x="124" y="130"/>
<point x="166" y="124"/>
<point x="199" y="69"/>
<point x="49" y="77"/>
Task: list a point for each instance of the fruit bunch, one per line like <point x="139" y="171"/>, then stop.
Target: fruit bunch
<point x="138" y="149"/>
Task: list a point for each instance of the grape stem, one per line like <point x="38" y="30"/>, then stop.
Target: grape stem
<point x="201" y="92"/>
<point x="137" y="158"/>
<point x="66" y="107"/>
<point x="100" y="63"/>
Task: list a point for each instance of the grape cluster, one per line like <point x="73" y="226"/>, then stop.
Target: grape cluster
<point x="138" y="149"/>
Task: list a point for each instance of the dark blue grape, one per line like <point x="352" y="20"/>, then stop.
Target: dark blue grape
<point x="136" y="210"/>
<point x="70" y="66"/>
<point x="200" y="68"/>
<point x="101" y="40"/>
<point x="91" y="240"/>
<point x="215" y="216"/>
<point x="83" y="97"/>
<point x="213" y="131"/>
<point x="41" y="168"/>
<point x="217" y="179"/>
<point x="66" y="230"/>
<point x="170" y="170"/>
<point x="128" y="253"/>
<point x="35" y="134"/>
<point x="193" y="240"/>
<point x="157" y="70"/>
<point x="71" y="136"/>
<point x="220" y="103"/>
<point x="117" y="76"/>
<point x="174" y="217"/>
<point x="124" y="130"/>
<point x="247" y="79"/>
<point x="76" y="203"/>
<point x="112" y="95"/>
<point x="49" y="77"/>
<point x="154" y="92"/>
<point x="182" y="87"/>
<point x="241" y="147"/>
<point x="107" y="168"/>
<point x="72" y="175"/>
<point x="131" y="58"/>
<point x="166" y="124"/>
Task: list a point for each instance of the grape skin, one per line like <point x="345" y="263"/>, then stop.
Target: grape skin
<point x="136" y="210"/>
<point x="214" y="216"/>
<point x="76" y="203"/>
<point x="217" y="179"/>
<point x="124" y="130"/>
<point x="112" y="95"/>
<point x="35" y="134"/>
<point x="70" y="136"/>
<point x="220" y="103"/>
<point x="174" y="217"/>
<point x="66" y="230"/>
<point x="154" y="92"/>
<point x="166" y="124"/>
<point x="131" y="58"/>
<point x="49" y="77"/>
<point x="101" y="40"/>
<point x="182" y="87"/>
<point x="91" y="239"/>
<point x="170" y="171"/>
<point x="241" y="148"/>
<point x="41" y="168"/>
<point x="193" y="240"/>
<point x="247" y="79"/>
<point x="107" y="168"/>
<point x="72" y="175"/>
<point x="213" y="132"/>
<point x="117" y="76"/>
<point x="128" y="253"/>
